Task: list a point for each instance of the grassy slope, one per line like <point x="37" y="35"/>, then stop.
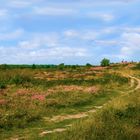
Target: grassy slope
<point x="27" y="121"/>
<point x="118" y="120"/>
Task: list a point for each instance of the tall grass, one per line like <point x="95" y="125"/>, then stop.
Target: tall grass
<point x="120" y="120"/>
<point x="19" y="111"/>
<point x="138" y="66"/>
<point x="25" y="77"/>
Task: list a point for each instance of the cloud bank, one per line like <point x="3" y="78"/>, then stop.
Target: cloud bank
<point x="73" y="32"/>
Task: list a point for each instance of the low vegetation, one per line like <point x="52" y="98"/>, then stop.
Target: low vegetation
<point x="138" y="66"/>
<point x="119" y="120"/>
<point x="105" y="62"/>
<point x="31" y="95"/>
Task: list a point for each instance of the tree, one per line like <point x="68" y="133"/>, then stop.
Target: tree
<point x="61" y="66"/>
<point x="105" y="62"/>
<point x="88" y="65"/>
<point x="33" y="66"/>
<point x="4" y="66"/>
<point x="138" y="66"/>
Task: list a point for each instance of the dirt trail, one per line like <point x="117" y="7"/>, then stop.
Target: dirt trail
<point x="60" y="118"/>
<point x="66" y="117"/>
<point x="138" y="83"/>
<point x="84" y="114"/>
<point x="132" y="83"/>
<point x="53" y="131"/>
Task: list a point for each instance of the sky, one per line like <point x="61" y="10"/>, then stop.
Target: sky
<point x="69" y="31"/>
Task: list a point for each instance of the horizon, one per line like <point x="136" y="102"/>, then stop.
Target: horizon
<point x="69" y="32"/>
<point x="45" y="64"/>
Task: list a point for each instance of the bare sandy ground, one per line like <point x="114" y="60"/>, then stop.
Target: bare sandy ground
<point x="84" y="114"/>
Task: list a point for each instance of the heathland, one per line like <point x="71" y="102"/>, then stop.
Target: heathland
<point x="48" y="102"/>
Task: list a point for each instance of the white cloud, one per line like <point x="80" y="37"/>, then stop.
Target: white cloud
<point x="132" y="30"/>
<point x="62" y="52"/>
<point x="89" y="35"/>
<point x="102" y="16"/>
<point x="131" y="43"/>
<point x="29" y="44"/>
<point x="11" y="35"/>
<point x="54" y="11"/>
<point x="3" y="13"/>
<point x="62" y="46"/>
<point x="71" y="33"/>
<point x="19" y="3"/>
<point x="128" y="45"/>
<point x="40" y="41"/>
<point x="107" y="42"/>
<point x="21" y="55"/>
<point x="41" y="48"/>
<point x="81" y="34"/>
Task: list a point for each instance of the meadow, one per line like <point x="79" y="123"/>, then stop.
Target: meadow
<point x="49" y="102"/>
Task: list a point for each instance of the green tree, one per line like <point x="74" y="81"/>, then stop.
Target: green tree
<point x="61" y="66"/>
<point x="105" y="62"/>
<point x="88" y="65"/>
<point x="138" y="66"/>
<point x="33" y="66"/>
<point x="4" y="66"/>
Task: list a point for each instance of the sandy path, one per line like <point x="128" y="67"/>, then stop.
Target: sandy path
<point x="66" y="117"/>
<point x="60" y="118"/>
<point x="84" y="114"/>
<point x="138" y="83"/>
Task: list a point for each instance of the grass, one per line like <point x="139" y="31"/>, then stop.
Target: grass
<point x="28" y="95"/>
<point x="118" y="120"/>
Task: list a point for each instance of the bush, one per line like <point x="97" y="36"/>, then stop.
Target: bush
<point x="61" y="66"/>
<point x="105" y="62"/>
<point x="138" y="66"/>
<point x="4" y="66"/>
<point x="88" y="65"/>
<point x="2" y="86"/>
<point x="33" y="66"/>
<point x="19" y="113"/>
<point x="19" y="79"/>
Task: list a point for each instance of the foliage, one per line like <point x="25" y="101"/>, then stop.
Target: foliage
<point x="28" y="97"/>
<point x="20" y="79"/>
<point x="105" y="62"/>
<point x="61" y="66"/>
<point x="33" y="66"/>
<point x="2" y="86"/>
<point x="114" y="122"/>
<point x="138" y="66"/>
<point x="19" y="114"/>
<point x="3" y="66"/>
<point x="88" y="65"/>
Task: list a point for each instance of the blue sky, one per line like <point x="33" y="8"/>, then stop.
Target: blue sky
<point x="69" y="31"/>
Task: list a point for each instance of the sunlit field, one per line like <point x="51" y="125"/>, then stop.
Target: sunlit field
<point x="70" y="102"/>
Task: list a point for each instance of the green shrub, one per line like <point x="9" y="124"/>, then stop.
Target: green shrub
<point x="105" y="62"/>
<point x="138" y="66"/>
<point x="4" y="66"/>
<point x="20" y="79"/>
<point x="33" y="66"/>
<point x="19" y="113"/>
<point x="2" y="86"/>
<point x="88" y="65"/>
<point x="61" y="66"/>
<point x="18" y="119"/>
<point x="114" y="77"/>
